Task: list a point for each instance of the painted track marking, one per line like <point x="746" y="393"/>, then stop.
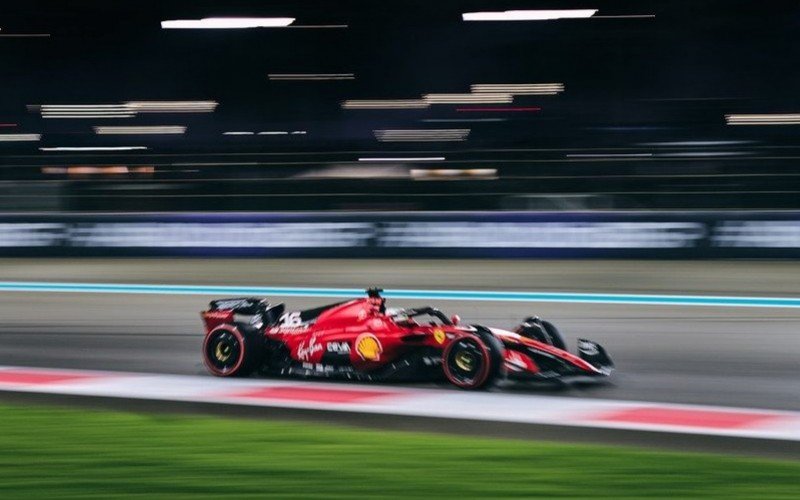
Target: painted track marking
<point x="497" y="296"/>
<point x="444" y="403"/>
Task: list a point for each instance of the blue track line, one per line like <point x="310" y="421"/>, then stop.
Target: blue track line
<point x="583" y="298"/>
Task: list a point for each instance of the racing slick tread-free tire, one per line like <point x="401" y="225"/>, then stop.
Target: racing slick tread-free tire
<point x="473" y="361"/>
<point x="229" y="352"/>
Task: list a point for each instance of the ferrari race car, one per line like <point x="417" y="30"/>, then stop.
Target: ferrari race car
<point x="362" y="340"/>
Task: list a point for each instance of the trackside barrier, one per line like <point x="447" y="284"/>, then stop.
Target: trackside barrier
<point x="427" y="234"/>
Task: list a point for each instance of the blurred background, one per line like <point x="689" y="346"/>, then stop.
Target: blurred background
<point x="637" y="147"/>
<point x="378" y="126"/>
<point x="398" y="105"/>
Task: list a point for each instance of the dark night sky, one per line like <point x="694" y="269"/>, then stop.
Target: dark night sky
<point x="628" y="81"/>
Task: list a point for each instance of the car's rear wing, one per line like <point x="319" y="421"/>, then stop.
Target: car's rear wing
<point x="247" y="310"/>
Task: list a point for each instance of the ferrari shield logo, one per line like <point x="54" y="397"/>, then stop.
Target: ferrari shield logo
<point x="439" y="335"/>
<point x="369" y="347"/>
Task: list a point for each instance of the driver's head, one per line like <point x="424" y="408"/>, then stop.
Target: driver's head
<point x="378" y="303"/>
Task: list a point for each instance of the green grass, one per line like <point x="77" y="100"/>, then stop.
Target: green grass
<point x="47" y="453"/>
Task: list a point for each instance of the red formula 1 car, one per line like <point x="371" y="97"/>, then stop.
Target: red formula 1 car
<point x="361" y="339"/>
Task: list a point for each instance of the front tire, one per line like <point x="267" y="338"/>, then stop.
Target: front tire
<point x="473" y="361"/>
<point x="229" y="353"/>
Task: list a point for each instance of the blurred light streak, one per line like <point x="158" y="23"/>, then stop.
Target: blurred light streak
<point x="519" y="88"/>
<point x="84" y="111"/>
<point x="764" y="119"/>
<point x="311" y="76"/>
<point x="95" y="170"/>
<point x="422" y="139"/>
<point x="456" y="120"/>
<point x="54" y="170"/>
<point x="99" y="170"/>
<point x="124" y="110"/>
<point x="19" y="137"/>
<point x="421" y="158"/>
<point x="503" y="109"/>
<point x="385" y="104"/>
<point x="88" y="115"/>
<point x="83" y="107"/>
<point x="8" y="124"/>
<point x="228" y="23"/>
<point x="432" y="135"/>
<point x="93" y="148"/>
<point x="529" y="15"/>
<point x="140" y="130"/>
<point x="609" y="155"/>
<point x="453" y="173"/>
<point x="267" y="132"/>
<point x="172" y="106"/>
<point x="705" y="153"/>
<point x="354" y="171"/>
<point x="212" y="164"/>
<point x="25" y="35"/>
<point x="480" y="98"/>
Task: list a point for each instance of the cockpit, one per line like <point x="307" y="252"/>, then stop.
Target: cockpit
<point x="421" y="316"/>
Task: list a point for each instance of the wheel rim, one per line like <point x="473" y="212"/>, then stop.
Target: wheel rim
<point x="223" y="351"/>
<point x="466" y="362"/>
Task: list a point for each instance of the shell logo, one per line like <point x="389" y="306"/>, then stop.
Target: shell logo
<point x="369" y="347"/>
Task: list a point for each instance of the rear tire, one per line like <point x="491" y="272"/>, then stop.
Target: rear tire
<point x="473" y="361"/>
<point x="227" y="352"/>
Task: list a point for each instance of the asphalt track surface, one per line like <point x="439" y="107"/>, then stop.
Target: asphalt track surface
<point x="728" y="356"/>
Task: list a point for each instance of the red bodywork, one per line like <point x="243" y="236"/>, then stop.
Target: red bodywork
<point x="361" y="335"/>
<point x="373" y="338"/>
